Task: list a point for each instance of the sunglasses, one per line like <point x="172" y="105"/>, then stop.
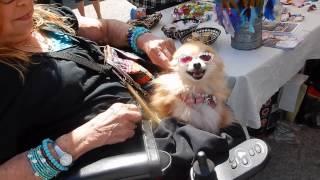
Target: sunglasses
<point x="206" y="56"/>
<point x="6" y="1"/>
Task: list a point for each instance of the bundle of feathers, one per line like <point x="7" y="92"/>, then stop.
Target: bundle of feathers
<point x="194" y="91"/>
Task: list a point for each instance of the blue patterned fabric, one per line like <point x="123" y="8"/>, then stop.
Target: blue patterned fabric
<point x="60" y="41"/>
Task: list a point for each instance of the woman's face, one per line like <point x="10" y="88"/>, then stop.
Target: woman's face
<point x="15" y="20"/>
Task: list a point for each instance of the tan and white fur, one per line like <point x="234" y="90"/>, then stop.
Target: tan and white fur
<point x="186" y="79"/>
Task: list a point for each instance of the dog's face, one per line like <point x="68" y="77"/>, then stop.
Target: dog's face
<point x="197" y="62"/>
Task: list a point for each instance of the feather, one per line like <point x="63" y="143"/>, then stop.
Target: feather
<point x="248" y="13"/>
<point x="234" y="5"/>
<point x="235" y="19"/>
<point x="227" y="24"/>
<point x="252" y="20"/>
<point x="259" y="7"/>
<point x="242" y="4"/>
<point x="243" y="17"/>
<point x="219" y="10"/>
<point x="268" y="11"/>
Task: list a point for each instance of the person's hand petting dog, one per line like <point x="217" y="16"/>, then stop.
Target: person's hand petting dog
<point x="159" y="50"/>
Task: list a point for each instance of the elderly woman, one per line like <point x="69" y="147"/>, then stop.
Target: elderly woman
<point x="53" y="110"/>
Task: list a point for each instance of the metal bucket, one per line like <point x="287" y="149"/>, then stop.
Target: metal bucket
<point x="245" y="40"/>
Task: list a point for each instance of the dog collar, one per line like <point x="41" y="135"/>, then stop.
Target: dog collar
<point x="198" y="98"/>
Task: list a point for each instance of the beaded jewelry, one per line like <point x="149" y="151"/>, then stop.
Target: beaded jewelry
<point x="40" y="165"/>
<point x="45" y="144"/>
<point x="133" y="34"/>
<point x="43" y="164"/>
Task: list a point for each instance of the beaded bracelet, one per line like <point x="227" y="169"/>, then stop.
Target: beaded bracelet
<point x="133" y="34"/>
<point x="45" y="146"/>
<point x="39" y="164"/>
<point x="44" y="166"/>
<point x="47" y="160"/>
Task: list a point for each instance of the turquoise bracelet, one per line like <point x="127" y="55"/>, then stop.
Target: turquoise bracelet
<point x="46" y="168"/>
<point x="133" y="34"/>
<point x="45" y="144"/>
<point x="34" y="164"/>
<point x="48" y="161"/>
<point x="43" y="169"/>
<point x="39" y="164"/>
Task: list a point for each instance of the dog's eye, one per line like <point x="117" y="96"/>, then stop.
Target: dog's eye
<point x="186" y="59"/>
<point x="205" y="57"/>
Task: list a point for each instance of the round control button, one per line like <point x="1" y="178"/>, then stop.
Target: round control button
<point x="251" y="152"/>
<point x="244" y="161"/>
<point x="257" y="147"/>
<point x="234" y="165"/>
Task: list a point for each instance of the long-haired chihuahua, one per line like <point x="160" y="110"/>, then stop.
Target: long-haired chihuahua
<point x="195" y="91"/>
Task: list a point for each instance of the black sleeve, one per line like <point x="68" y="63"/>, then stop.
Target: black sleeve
<point x="11" y="83"/>
<point x="64" y="12"/>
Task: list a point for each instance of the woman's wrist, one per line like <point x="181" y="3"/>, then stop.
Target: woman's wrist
<point x="143" y="40"/>
<point x="74" y="143"/>
<point x="135" y="33"/>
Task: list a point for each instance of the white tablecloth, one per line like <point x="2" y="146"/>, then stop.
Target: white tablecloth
<point x="257" y="74"/>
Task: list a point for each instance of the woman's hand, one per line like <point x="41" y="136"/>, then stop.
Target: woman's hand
<point x="160" y="51"/>
<point x="115" y="125"/>
<point x="114" y="33"/>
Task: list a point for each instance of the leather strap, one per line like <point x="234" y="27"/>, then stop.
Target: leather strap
<point x="107" y="68"/>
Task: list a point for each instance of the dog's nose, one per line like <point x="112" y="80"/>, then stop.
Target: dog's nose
<point x="197" y="65"/>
